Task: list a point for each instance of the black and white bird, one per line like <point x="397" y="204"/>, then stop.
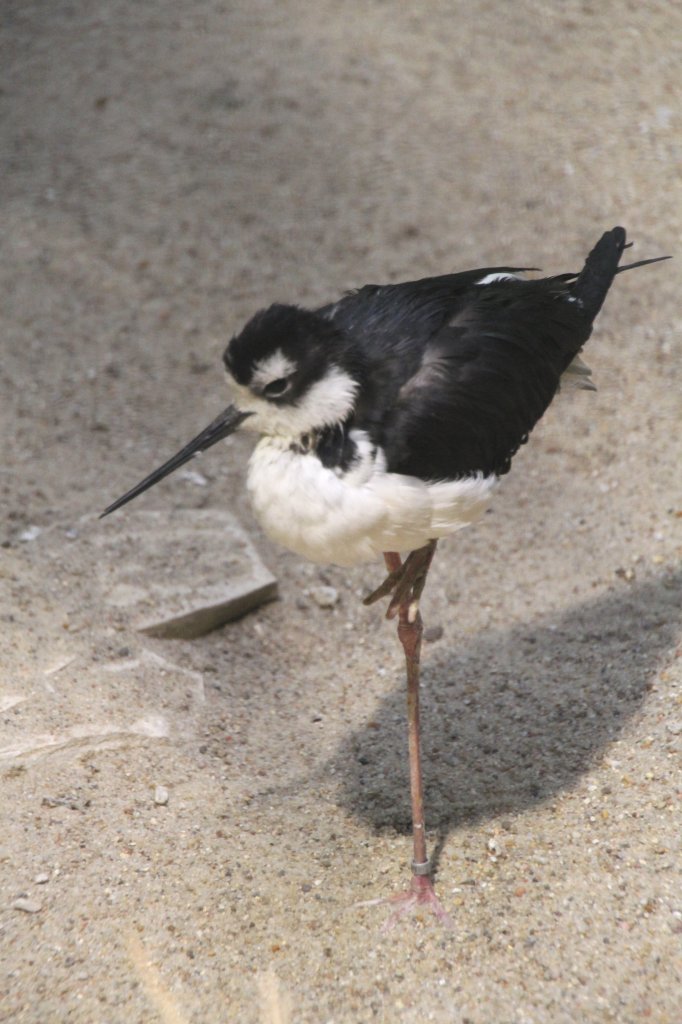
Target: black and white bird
<point x="387" y="418"/>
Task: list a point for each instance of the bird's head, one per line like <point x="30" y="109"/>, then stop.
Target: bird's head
<point x="291" y="372"/>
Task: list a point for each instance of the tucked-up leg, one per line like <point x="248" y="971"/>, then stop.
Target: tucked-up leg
<point x="404" y="579"/>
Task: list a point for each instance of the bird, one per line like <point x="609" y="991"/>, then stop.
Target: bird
<point x="385" y="421"/>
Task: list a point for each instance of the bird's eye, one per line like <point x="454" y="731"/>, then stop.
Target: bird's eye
<point x="276" y="387"/>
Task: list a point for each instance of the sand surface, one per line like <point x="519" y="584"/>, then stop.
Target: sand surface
<point x="187" y="826"/>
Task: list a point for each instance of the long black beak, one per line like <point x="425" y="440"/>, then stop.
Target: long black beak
<point x="221" y="427"/>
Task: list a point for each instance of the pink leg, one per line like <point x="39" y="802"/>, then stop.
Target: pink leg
<point x="410" y="629"/>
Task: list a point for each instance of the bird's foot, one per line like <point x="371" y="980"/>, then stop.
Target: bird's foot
<point x="421" y="893"/>
<point x="406" y="583"/>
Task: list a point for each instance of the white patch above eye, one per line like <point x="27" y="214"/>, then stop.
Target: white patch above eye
<point x="274" y="367"/>
<point x="492" y="278"/>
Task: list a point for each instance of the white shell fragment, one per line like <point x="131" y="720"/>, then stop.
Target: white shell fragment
<point x="161" y="796"/>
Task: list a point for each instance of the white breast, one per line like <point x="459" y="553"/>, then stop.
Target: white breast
<point x="349" y="519"/>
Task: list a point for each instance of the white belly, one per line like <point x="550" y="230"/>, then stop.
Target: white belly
<point x="353" y="518"/>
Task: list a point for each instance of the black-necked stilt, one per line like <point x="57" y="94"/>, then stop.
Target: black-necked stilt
<point x="387" y="418"/>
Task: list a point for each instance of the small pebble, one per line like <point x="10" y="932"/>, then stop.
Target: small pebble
<point x="324" y="597"/>
<point x="194" y="477"/>
<point x="161" y="796"/>
<point x="28" y="906"/>
<point x="30" y="533"/>
<point x="432" y="633"/>
<point x="42" y="878"/>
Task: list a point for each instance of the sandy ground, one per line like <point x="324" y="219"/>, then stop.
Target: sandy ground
<point x="170" y="167"/>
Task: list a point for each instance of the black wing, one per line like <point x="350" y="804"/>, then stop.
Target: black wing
<point x="392" y="315"/>
<point x="391" y="325"/>
<point x="483" y="382"/>
<point x="474" y="389"/>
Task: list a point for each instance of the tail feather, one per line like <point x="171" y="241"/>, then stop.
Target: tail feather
<point x="642" y="263"/>
<point x="601" y="266"/>
<point x="577" y="376"/>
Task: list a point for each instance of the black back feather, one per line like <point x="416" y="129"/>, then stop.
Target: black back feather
<point x="485" y="380"/>
<point x="459" y="373"/>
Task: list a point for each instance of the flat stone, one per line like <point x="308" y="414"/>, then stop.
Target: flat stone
<point x="181" y="573"/>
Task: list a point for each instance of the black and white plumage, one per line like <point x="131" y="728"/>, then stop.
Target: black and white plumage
<point x="387" y="418"/>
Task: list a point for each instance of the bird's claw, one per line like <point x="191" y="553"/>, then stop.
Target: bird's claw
<point x="421" y="893"/>
<point x="406" y="583"/>
<point x="385" y="588"/>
